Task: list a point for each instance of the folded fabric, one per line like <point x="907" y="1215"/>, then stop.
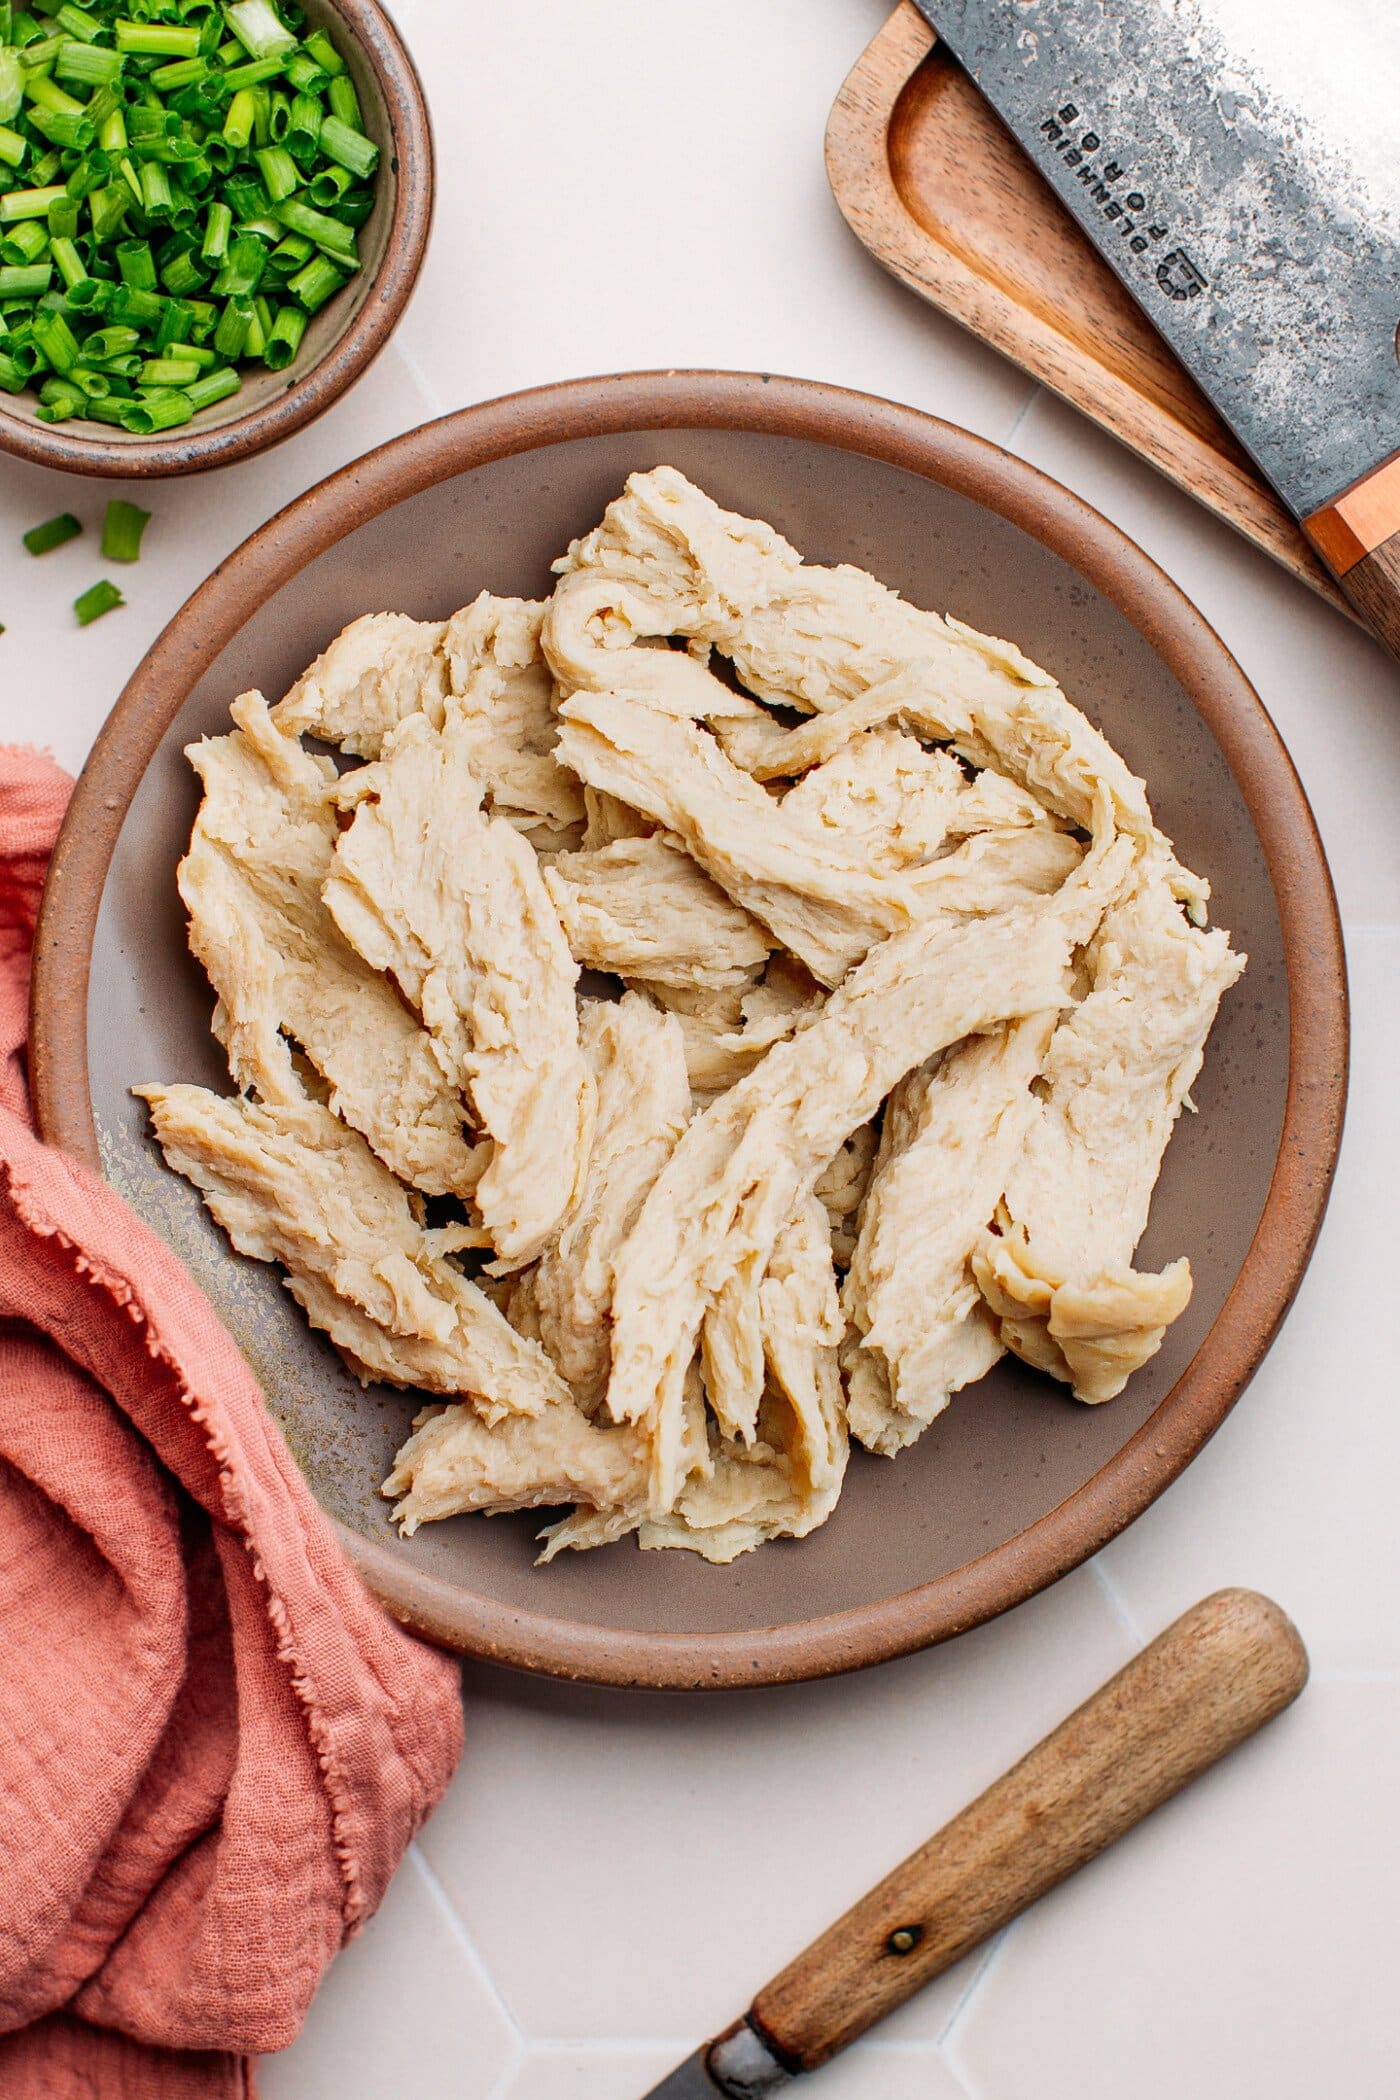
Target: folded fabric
<point x="214" y="1746"/>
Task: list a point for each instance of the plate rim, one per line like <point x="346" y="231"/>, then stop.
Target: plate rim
<point x="972" y="466"/>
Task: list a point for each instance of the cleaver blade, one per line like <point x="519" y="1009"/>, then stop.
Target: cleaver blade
<point x="1235" y="163"/>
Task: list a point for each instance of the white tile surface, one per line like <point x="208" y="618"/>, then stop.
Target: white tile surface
<point x="407" y="2008"/>
<point x="735" y="1826"/>
<point x="633" y="182"/>
<point x="1240" y="1943"/>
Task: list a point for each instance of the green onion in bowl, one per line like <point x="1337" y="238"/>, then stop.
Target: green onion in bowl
<point x="180" y="190"/>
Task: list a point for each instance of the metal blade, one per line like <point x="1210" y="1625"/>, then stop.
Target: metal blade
<point x="739" y="2066"/>
<point x="1263" y="243"/>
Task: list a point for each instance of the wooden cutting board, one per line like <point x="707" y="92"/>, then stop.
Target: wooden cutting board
<point x="940" y="193"/>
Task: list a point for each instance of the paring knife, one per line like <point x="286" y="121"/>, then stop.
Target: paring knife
<point x="1228" y="1665"/>
<point x="1236" y="162"/>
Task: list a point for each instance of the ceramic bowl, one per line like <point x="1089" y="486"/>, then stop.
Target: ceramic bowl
<point x="341" y="341"/>
<point x="1016" y="1483"/>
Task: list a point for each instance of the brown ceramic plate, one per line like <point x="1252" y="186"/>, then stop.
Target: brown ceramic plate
<point x="1015" y="1484"/>
<point x="341" y="341"/>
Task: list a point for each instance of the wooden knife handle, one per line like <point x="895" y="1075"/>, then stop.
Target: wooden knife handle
<point x="1358" y="536"/>
<point x="1230" y="1664"/>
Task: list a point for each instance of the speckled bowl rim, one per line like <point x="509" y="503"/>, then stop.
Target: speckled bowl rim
<point x="1105" y="557"/>
<point x="190" y="450"/>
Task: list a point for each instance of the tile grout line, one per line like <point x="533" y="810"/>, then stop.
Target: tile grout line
<point x="420" y="379"/>
<point x="947" y="2040"/>
<point x="988" y="1957"/>
<point x="1114" y="1600"/>
<point x="1021" y="414"/>
<point x="468" y="1944"/>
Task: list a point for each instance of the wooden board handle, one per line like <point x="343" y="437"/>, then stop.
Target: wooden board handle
<point x="1227" y="1666"/>
<point x="1358" y="536"/>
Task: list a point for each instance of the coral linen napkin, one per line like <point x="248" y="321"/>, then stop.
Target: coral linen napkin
<point x="213" y="1746"/>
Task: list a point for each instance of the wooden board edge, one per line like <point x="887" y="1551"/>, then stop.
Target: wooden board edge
<point x="858" y="169"/>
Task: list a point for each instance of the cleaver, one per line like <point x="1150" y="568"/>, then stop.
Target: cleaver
<point x="1237" y="164"/>
<point x="1200" y="1689"/>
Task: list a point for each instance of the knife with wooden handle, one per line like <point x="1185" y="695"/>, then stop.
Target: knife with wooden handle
<point x="1219" y="1673"/>
<point x="1234" y="162"/>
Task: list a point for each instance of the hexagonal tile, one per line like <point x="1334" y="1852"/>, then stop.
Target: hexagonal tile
<point x="631" y="1865"/>
<point x="662" y="227"/>
<point x="405" y="2007"/>
<point x="1296" y="1493"/>
<point x="1235" y="1944"/>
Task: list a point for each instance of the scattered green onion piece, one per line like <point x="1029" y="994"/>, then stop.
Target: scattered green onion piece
<point x="259" y="29"/>
<point x="355" y="207"/>
<point x="54" y="532"/>
<point x="157" y="39"/>
<point x="344" y="102"/>
<point x="253" y="74"/>
<point x="12" y="147"/>
<point x="349" y="148"/>
<point x="70" y="133"/>
<point x="90" y="295"/>
<point x="101" y="598"/>
<point x="166" y="409"/>
<point x="122" y="527"/>
<point x="113" y="341"/>
<point x="173" y="323"/>
<point x="93" y="383"/>
<point x="112" y="135"/>
<point x="57" y="340"/>
<point x="202" y="316"/>
<point x="214" y="386"/>
<point x="12" y="380"/>
<point x="107" y="408"/>
<point x="327" y="186"/>
<point x="157" y="197"/>
<point x="303" y="75"/>
<point x="257" y="329"/>
<point x="279" y="115"/>
<point x="318" y="282"/>
<point x="24" y="280"/>
<point x="45" y="168"/>
<point x="182" y="275"/>
<point x="288" y="256"/>
<point x="304" y="128"/>
<point x="30" y="204"/>
<point x="134" y="306"/>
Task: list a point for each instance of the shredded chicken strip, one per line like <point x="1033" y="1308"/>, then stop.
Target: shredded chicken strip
<point x="499" y="685"/>
<point x="380" y="668"/>
<point x="638" y="1065"/>
<point x="1117" y="1073"/>
<point x="919" y="1328"/>
<point x="743" y="1166"/>
<point x="260" y="850"/>
<point x="453" y="905"/>
<point x="809" y="637"/>
<point x="289" y="1183"/>
<point x="642" y="908"/>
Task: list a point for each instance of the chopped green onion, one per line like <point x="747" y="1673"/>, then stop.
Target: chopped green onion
<point x="214" y="386"/>
<point x="180" y="73"/>
<point x="58" y="400"/>
<point x="158" y="39"/>
<point x="217" y="227"/>
<point x="348" y="148"/>
<point x="78" y="22"/>
<point x="317" y="283"/>
<point x="102" y="598"/>
<point x="24" y="280"/>
<point x="57" y="341"/>
<point x="88" y="63"/>
<point x="166" y="409"/>
<point x="242" y="269"/>
<point x="136" y="264"/>
<point x="12" y="147"/>
<point x="104" y="343"/>
<point x="284" y="337"/>
<point x="55" y="532"/>
<point x="62" y="219"/>
<point x="320" y="47"/>
<point x="303" y="75"/>
<point x="169" y="371"/>
<point x="122" y="527"/>
<point x="27" y="244"/>
<point x="344" y="102"/>
<point x="30" y="204"/>
<point x="278" y="171"/>
<point x="258" y="28"/>
<point x="69" y="264"/>
<point x="12" y="379"/>
<point x="327" y="233"/>
<point x="45" y="94"/>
